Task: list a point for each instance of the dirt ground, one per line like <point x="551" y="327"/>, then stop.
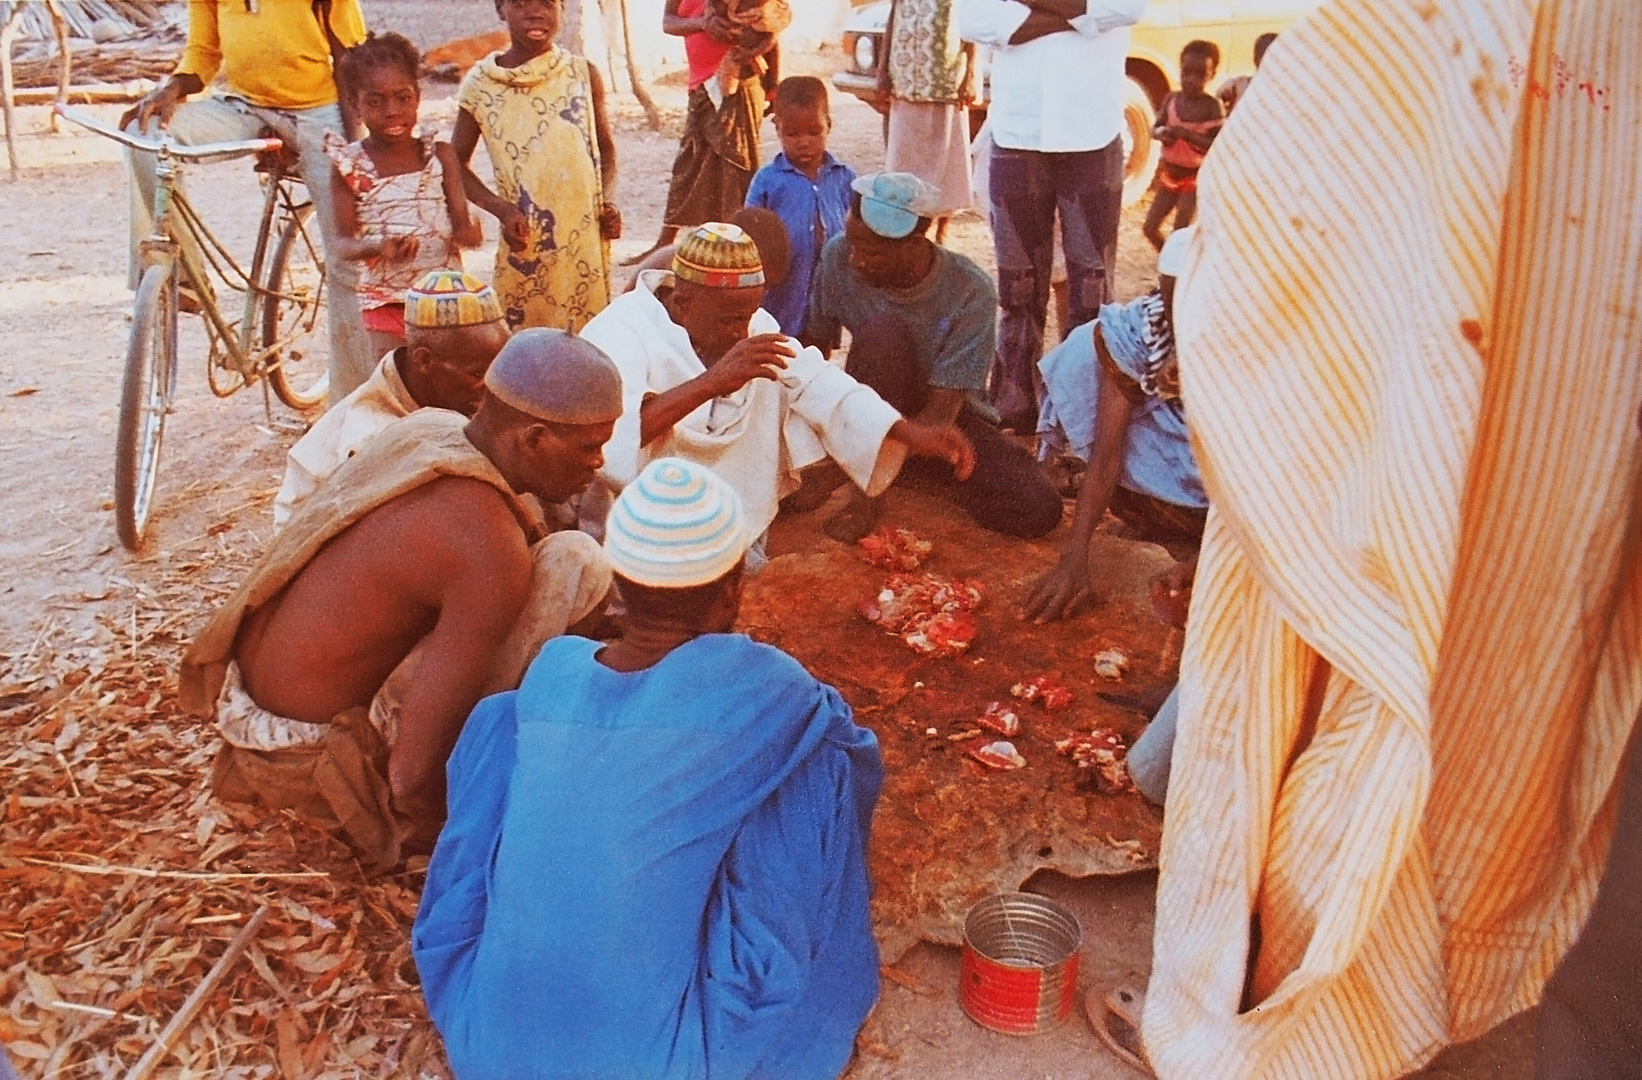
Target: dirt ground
<point x="76" y="602"/>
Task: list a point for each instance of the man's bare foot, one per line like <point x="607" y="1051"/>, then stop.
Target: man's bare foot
<point x="820" y="481"/>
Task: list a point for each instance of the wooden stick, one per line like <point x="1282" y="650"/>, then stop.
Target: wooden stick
<point x="8" y="34"/>
<point x="652" y="115"/>
<point x="65" y="61"/>
<point x="183" y="875"/>
<point x="185" y="1015"/>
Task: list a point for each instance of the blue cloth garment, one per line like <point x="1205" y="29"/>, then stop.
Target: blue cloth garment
<point x="1157" y="452"/>
<point x="813" y="213"/>
<point x="658" y="874"/>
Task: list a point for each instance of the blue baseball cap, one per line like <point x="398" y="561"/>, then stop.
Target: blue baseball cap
<point x="892" y="202"/>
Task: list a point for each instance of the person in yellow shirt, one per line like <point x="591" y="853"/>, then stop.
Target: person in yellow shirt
<point x="276" y="59"/>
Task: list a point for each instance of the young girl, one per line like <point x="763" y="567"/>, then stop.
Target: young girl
<point x="541" y="112"/>
<point x="1191" y="119"/>
<point x="400" y="208"/>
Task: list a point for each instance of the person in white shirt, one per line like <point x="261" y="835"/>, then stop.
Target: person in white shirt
<point x="1056" y="116"/>
<point x="453" y="330"/>
<point x="707" y="376"/>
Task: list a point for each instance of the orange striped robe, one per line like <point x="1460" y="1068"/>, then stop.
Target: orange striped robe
<point x="1411" y="339"/>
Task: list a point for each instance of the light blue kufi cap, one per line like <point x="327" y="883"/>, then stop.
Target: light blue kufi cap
<point x="678" y="525"/>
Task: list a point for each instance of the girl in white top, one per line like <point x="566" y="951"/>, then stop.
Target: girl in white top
<point x="400" y="207"/>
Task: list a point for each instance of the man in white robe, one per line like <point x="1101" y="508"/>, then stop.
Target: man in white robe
<point x="707" y="376"/>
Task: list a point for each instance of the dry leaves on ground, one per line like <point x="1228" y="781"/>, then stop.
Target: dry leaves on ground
<point x="122" y="879"/>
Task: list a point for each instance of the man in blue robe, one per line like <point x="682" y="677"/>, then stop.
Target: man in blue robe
<point x="655" y="858"/>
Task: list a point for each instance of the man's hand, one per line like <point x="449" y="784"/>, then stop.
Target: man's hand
<point x="943" y="442"/>
<point x="763" y="356"/>
<point x="161" y="103"/>
<point x="514" y="226"/>
<point x="1059" y="593"/>
<point x="609" y="221"/>
<point x="718" y="28"/>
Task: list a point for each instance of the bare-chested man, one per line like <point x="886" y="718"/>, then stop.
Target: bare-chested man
<point x="412" y="583"/>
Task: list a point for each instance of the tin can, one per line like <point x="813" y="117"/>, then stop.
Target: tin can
<point x="1019" y="973"/>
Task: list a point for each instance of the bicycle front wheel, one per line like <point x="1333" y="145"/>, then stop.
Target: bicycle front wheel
<point x="145" y="401"/>
<point x="292" y="313"/>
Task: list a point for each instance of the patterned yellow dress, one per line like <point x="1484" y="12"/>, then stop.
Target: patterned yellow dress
<point x="537" y="120"/>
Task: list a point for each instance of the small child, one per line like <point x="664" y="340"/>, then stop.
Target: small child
<point x="541" y="112"/>
<point x="807" y="188"/>
<point x="1232" y="90"/>
<point x="754" y="26"/>
<point x="400" y="208"/>
<point x="1192" y="117"/>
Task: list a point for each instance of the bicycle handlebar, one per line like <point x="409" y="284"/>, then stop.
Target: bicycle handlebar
<point x="166" y="144"/>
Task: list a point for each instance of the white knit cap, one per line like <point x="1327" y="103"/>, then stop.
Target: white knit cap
<point x="1172" y="259"/>
<point x="675" y="526"/>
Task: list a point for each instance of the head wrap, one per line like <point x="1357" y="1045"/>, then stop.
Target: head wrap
<point x="719" y="256"/>
<point x="557" y="377"/>
<point x="675" y="526"/>
<point x="893" y="202"/>
<point x="450" y="298"/>
<point x="1172" y="259"/>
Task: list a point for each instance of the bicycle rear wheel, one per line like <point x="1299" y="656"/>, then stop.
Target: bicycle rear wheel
<point x="145" y="400"/>
<point x="293" y="312"/>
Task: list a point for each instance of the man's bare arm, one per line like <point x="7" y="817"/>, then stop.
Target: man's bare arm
<point x="759" y="357"/>
<point x="472" y="563"/>
<point x="1040" y="24"/>
<point x="1064" y="588"/>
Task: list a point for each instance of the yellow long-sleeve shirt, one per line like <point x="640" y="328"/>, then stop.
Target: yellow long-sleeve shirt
<point x="274" y="53"/>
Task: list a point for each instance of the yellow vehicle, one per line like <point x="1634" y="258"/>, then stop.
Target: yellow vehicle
<point x="1153" y="65"/>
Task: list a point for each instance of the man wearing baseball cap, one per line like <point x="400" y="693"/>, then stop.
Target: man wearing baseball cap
<point x="453" y="330"/>
<point x="922" y="321"/>
<point x="414" y="581"/>
<point x="654" y="864"/>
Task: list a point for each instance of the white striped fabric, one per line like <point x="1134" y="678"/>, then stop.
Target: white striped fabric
<point x="1411" y="342"/>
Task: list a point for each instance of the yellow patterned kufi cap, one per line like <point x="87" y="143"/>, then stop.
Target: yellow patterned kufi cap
<point x="719" y="256"/>
<point x="450" y="298"/>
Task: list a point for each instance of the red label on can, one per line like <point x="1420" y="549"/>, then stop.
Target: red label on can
<point x="1016" y="1000"/>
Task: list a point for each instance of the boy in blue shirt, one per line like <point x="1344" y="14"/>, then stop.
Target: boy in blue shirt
<point x="807" y="188"/>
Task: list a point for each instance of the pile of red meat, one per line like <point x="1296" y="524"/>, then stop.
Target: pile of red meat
<point x="1103" y="753"/>
<point x="895" y="549"/>
<point x="929" y="612"/>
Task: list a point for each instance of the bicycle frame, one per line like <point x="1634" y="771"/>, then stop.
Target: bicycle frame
<point x="173" y="212"/>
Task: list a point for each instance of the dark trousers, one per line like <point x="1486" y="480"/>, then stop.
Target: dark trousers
<point x="1028" y="189"/>
<point x="1006" y="493"/>
<point x="1590" y="1023"/>
<point x="1156" y="520"/>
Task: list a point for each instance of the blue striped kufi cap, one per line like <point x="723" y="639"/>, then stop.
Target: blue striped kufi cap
<point x="678" y="525"/>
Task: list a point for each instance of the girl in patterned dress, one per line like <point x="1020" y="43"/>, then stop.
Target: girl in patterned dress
<point x="541" y="112"/>
<point x="400" y="207"/>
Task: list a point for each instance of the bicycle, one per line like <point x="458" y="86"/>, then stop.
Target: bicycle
<point x="284" y="291"/>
